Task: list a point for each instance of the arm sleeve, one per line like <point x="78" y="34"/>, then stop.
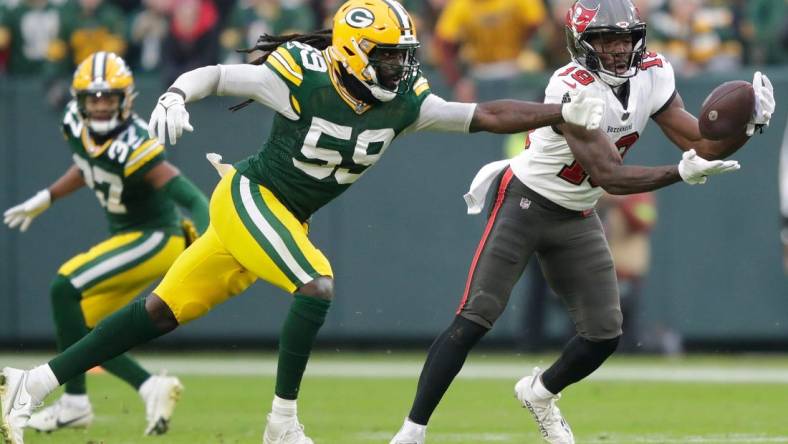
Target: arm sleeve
<point x="437" y="114"/>
<point x="256" y="82"/>
<point x="664" y="83"/>
<point x="184" y="193"/>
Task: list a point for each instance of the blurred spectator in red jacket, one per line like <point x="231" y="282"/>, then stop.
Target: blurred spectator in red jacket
<point x="193" y="39"/>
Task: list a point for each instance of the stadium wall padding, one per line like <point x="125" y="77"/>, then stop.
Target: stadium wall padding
<point x="400" y="241"/>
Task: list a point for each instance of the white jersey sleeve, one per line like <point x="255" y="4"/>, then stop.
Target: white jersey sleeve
<point x="663" y="88"/>
<point x="437" y="114"/>
<point x="259" y="83"/>
<point x="256" y="82"/>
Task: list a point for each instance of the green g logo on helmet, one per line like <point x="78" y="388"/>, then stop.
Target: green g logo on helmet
<point x="359" y="17"/>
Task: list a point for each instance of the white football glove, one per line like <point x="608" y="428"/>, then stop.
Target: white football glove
<point x="171" y="111"/>
<point x="25" y="212"/>
<point x="583" y="110"/>
<point x="764" y="103"/>
<point x="694" y="169"/>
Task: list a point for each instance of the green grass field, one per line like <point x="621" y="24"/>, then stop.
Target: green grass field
<point x="362" y="398"/>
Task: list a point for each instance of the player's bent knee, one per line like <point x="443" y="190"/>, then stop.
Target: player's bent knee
<point x="160" y="313"/>
<point x="605" y="327"/>
<point x="321" y="288"/>
<point x="62" y="289"/>
<point x="484" y="309"/>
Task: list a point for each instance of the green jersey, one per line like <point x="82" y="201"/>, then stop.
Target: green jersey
<point x="331" y="139"/>
<point x="115" y="170"/>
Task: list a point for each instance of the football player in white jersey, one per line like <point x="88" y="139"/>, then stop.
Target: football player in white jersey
<point x="545" y="202"/>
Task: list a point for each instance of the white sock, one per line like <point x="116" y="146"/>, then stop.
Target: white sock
<point x="81" y="401"/>
<point x="41" y="382"/>
<point x="146" y="388"/>
<point x="283" y="408"/>
<point x="411" y="427"/>
<point x="540" y="390"/>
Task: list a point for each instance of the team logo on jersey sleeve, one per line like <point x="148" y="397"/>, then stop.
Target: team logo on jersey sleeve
<point x="579" y="17"/>
<point x="359" y="17"/>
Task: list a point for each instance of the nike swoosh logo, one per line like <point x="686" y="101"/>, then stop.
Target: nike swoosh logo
<point x="571" y="85"/>
<point x="19" y="401"/>
<point x="60" y="423"/>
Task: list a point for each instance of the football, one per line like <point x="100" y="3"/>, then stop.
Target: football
<point x="726" y="111"/>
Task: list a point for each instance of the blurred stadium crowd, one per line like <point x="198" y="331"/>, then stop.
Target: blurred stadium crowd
<point x="464" y="39"/>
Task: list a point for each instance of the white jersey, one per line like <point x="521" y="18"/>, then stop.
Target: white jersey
<point x="548" y="167"/>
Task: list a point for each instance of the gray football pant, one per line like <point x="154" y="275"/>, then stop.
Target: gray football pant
<point x="571" y="248"/>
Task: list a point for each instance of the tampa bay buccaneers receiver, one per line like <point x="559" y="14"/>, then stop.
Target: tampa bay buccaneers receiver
<point x="545" y="206"/>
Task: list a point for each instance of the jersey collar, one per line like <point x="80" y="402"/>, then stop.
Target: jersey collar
<point x="91" y="148"/>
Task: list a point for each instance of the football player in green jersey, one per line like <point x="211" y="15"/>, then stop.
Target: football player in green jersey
<point x="340" y="97"/>
<point x="140" y="192"/>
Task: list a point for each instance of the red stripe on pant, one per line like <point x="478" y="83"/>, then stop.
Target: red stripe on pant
<point x="507" y="177"/>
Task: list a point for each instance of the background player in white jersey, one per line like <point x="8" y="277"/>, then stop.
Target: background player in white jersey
<point x="545" y="201"/>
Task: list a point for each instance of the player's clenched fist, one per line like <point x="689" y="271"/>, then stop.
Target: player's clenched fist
<point x="583" y="110"/>
<point x="170" y="111"/>
<point x="694" y="169"/>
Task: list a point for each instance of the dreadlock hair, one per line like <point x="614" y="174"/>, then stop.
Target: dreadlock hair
<point x="268" y="43"/>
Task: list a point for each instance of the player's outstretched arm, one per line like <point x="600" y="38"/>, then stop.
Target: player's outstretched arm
<point x="515" y="116"/>
<point x="601" y="160"/>
<point x="682" y="129"/>
<point x="256" y="82"/>
<point x="182" y="191"/>
<point x="22" y="215"/>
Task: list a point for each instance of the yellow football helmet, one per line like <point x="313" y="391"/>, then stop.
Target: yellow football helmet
<point x="103" y="73"/>
<point x="375" y="40"/>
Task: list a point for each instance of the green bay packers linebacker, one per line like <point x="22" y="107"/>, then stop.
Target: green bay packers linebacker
<point x="140" y="192"/>
<point x="341" y="96"/>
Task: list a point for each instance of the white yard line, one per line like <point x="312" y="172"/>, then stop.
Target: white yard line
<point x="227" y="365"/>
<point x="613" y="439"/>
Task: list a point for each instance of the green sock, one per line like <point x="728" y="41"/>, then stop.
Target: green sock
<point x="116" y="334"/>
<point x="69" y="324"/>
<point x="305" y="318"/>
<point x="127" y="369"/>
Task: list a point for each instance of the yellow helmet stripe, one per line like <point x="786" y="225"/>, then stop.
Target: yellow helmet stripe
<point x="405" y="26"/>
<point x="99" y="66"/>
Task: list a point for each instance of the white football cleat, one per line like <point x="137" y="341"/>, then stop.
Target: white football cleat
<point x="410" y="433"/>
<point x="160" y="394"/>
<point x="16" y="405"/>
<point x="547" y="415"/>
<point x="289" y="431"/>
<point x="61" y="414"/>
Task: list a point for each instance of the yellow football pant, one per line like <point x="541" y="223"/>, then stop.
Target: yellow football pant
<point x="251" y="236"/>
<point x="113" y="272"/>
